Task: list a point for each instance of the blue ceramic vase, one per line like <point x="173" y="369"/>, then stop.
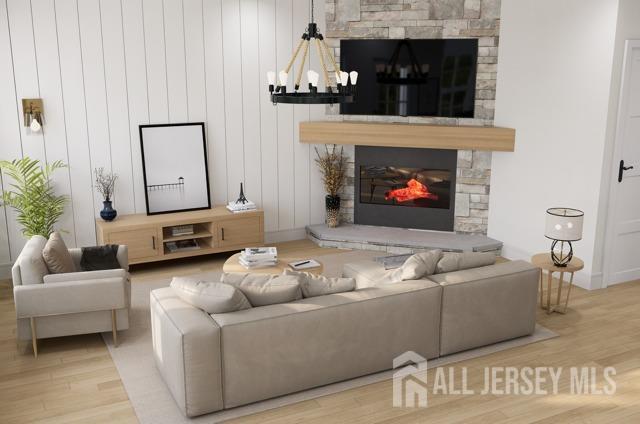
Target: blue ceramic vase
<point x="108" y="213"/>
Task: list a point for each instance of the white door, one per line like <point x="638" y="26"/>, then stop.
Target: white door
<point x="622" y="256"/>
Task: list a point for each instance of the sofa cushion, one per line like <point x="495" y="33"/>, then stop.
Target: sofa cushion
<point x="57" y="256"/>
<point x="211" y="297"/>
<point x="452" y="261"/>
<point x="265" y="289"/>
<point x="30" y="267"/>
<point x="318" y="285"/>
<point x="280" y="349"/>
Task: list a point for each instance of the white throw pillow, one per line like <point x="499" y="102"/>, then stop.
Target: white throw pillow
<point x="417" y="266"/>
<point x="318" y="285"/>
<point x="211" y="297"/>
<point x="265" y="289"/>
<point x="452" y="261"/>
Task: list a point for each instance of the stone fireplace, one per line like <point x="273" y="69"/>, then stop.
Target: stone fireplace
<point x="405" y="187"/>
<point x="392" y="19"/>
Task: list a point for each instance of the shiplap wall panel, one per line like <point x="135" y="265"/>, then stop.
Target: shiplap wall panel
<point x="75" y="119"/>
<point x="95" y="88"/>
<point x="103" y="67"/>
<point x="251" y="85"/>
<point x="285" y="45"/>
<point x="117" y="104"/>
<point x="268" y="113"/>
<point x="300" y="114"/>
<point x="154" y="35"/>
<point x="137" y="98"/>
<point x="317" y="212"/>
<point x="24" y="59"/>
<point x="216" y="120"/>
<point x="10" y="140"/>
<point x="231" y="40"/>
<point x="195" y="63"/>
<point x="54" y="137"/>
<point x="176" y="63"/>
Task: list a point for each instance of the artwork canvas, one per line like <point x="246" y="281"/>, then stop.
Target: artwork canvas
<point x="174" y="161"/>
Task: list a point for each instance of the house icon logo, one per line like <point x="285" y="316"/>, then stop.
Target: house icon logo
<point x="410" y="381"/>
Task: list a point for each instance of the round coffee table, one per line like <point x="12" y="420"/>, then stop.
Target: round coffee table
<point x="232" y="265"/>
<point x="544" y="261"/>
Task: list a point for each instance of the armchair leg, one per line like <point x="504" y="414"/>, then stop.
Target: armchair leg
<point x="114" y="327"/>
<point x="34" y="340"/>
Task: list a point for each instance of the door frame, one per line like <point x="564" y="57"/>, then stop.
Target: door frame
<point x="615" y="160"/>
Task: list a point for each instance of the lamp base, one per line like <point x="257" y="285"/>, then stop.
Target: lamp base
<point x="562" y="260"/>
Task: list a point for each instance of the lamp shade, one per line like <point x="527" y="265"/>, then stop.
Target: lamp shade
<point x="564" y="224"/>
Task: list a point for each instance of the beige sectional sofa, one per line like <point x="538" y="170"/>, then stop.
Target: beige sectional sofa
<point x="220" y="361"/>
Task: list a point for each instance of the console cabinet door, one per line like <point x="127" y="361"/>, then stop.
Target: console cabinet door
<point x="242" y="232"/>
<point x="142" y="243"/>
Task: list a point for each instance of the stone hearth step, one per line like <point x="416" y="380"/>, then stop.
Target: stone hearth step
<point x="399" y="240"/>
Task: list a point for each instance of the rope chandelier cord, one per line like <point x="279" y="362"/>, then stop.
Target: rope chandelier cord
<point x="341" y="91"/>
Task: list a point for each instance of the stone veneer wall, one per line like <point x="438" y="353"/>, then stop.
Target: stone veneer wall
<point x="396" y="19"/>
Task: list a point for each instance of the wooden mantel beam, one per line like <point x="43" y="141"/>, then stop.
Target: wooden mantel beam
<point x="408" y="135"/>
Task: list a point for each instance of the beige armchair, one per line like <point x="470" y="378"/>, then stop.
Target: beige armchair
<point x="55" y="305"/>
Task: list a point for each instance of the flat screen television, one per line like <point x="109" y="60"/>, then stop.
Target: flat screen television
<point x="412" y="77"/>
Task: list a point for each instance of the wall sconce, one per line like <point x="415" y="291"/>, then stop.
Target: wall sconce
<point x="32" y="110"/>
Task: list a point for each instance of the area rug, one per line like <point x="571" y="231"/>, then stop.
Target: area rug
<point x="152" y="401"/>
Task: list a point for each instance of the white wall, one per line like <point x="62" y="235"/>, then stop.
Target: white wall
<point x="102" y="67"/>
<point x="628" y="27"/>
<point x="554" y="77"/>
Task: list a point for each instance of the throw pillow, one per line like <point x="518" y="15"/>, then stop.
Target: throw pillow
<point x="417" y="266"/>
<point x="265" y="289"/>
<point x="452" y="261"/>
<point x="98" y="258"/>
<point x="318" y="285"/>
<point x="57" y="256"/>
<point x="211" y="297"/>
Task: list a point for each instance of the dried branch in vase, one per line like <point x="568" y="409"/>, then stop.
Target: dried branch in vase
<point x="333" y="165"/>
<point x="105" y="183"/>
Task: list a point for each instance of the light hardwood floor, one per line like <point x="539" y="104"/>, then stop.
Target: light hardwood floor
<point x="75" y="380"/>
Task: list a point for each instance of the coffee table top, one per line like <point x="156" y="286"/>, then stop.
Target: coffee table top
<point x="232" y="265"/>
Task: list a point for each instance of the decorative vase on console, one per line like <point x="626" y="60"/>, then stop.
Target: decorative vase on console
<point x="105" y="183"/>
<point x="333" y="165"/>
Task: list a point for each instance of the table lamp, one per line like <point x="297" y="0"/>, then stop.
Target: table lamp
<point x="563" y="225"/>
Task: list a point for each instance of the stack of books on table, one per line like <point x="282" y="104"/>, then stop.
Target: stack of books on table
<point x="236" y="207"/>
<point x="258" y="257"/>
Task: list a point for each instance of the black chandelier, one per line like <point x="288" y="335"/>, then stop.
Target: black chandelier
<point x="340" y="90"/>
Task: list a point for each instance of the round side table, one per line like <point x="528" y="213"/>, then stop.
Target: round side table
<point x="232" y="265"/>
<point x="544" y="262"/>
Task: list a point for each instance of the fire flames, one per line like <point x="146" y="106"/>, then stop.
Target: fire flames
<point x="414" y="190"/>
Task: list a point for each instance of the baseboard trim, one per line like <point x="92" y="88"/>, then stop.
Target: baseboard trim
<point x="285" y="235"/>
<point x="5" y="271"/>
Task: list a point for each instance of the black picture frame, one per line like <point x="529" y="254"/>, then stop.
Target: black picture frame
<point x="145" y="167"/>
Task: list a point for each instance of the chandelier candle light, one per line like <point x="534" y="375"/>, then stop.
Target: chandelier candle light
<point x="341" y="91"/>
<point x="563" y="225"/>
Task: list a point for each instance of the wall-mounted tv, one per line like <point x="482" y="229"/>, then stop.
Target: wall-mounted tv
<point x="412" y="77"/>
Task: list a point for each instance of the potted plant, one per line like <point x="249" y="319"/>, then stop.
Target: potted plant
<point x="333" y="165"/>
<point x="32" y="195"/>
<point x="105" y="184"/>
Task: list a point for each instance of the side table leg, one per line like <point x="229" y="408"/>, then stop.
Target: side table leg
<point x="541" y="289"/>
<point x="560" y="281"/>
<point x="549" y="280"/>
<point x="566" y="303"/>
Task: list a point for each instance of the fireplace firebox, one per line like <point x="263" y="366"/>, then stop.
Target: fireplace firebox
<point x="405" y="187"/>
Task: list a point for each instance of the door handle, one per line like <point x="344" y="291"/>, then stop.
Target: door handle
<point x="621" y="169"/>
<point x="153" y="242"/>
<point x="222" y="234"/>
